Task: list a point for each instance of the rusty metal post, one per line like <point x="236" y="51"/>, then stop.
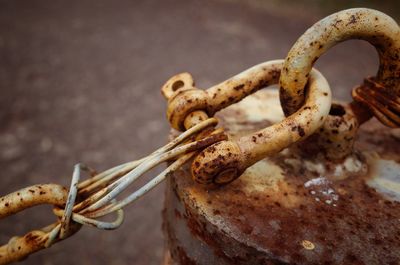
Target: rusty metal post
<point x="288" y="209"/>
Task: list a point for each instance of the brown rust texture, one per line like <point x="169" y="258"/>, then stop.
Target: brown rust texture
<point x="381" y="101"/>
<point x="261" y="218"/>
<point x="335" y="138"/>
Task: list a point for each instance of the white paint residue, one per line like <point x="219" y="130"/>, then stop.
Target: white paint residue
<point x="262" y="176"/>
<point x="315" y="167"/>
<point x="321" y="190"/>
<point x="263" y="108"/>
<point x="386" y="178"/>
<point x="352" y="164"/>
<point x="331" y="193"/>
<point x="338" y="171"/>
<point x="316" y="182"/>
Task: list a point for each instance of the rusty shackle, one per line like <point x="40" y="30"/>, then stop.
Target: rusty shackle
<point x="224" y="161"/>
<point x="380" y="94"/>
<point x="20" y="247"/>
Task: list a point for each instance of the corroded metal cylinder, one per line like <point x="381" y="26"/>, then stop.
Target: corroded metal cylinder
<point x="289" y="209"/>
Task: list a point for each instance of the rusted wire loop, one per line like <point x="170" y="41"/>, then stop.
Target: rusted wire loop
<point x="62" y="230"/>
<point x="97" y="195"/>
<point x="359" y="23"/>
<point x="224" y="161"/>
<point x="73" y="191"/>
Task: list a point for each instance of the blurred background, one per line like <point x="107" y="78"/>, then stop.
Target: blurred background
<point x="80" y="82"/>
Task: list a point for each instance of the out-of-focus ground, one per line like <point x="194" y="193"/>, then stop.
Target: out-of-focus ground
<point x="80" y="81"/>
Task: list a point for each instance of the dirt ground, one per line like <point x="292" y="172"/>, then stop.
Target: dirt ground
<point x="80" y="82"/>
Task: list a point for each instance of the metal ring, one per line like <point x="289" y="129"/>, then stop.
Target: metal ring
<point x="359" y="23"/>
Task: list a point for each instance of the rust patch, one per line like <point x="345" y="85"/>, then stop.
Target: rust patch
<point x="352" y="20"/>
<point x="238" y="87"/>
<point x="381" y="101"/>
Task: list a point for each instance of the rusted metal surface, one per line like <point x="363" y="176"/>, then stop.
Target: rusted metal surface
<point x="288" y="209"/>
<point x="360" y="23"/>
<point x="224" y="161"/>
<point x="334" y="140"/>
<point x="384" y="103"/>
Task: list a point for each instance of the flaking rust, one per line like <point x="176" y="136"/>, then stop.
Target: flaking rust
<point x="289" y="209"/>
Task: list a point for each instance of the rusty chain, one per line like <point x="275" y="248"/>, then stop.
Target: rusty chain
<point x="218" y="159"/>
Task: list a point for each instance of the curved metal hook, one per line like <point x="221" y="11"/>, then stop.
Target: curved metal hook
<point x="359" y="23"/>
<point x="20" y="247"/>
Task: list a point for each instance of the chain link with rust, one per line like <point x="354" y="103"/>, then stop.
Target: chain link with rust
<point x="381" y="94"/>
<point x="378" y="96"/>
